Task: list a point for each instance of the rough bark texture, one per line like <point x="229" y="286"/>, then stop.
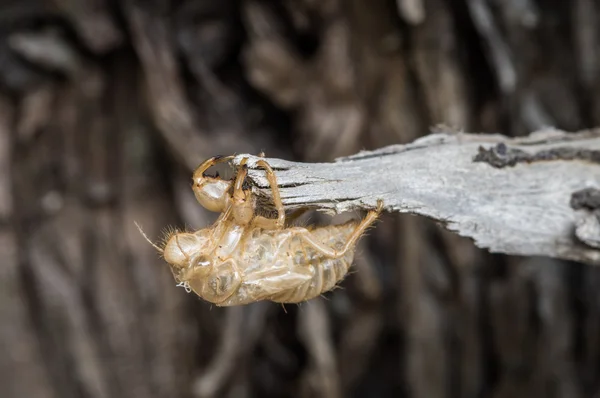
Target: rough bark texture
<point x="106" y="106"/>
<point x="490" y="188"/>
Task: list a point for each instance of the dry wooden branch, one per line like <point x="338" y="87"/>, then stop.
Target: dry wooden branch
<point x="520" y="196"/>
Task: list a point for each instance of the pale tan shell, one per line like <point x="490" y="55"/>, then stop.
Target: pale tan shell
<point x="244" y="257"/>
<point x="278" y="266"/>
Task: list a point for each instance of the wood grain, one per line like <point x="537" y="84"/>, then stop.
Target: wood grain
<point x="522" y="209"/>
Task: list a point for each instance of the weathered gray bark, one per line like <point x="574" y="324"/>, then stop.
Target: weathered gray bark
<point x="520" y="209"/>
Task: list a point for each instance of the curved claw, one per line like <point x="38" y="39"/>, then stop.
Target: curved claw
<point x="207" y="164"/>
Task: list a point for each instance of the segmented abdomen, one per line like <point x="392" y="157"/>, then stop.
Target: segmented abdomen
<point x="326" y="271"/>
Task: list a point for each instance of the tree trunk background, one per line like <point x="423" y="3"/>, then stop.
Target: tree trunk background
<point x="106" y="107"/>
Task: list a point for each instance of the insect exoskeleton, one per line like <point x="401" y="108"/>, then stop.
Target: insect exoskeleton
<point x="245" y="257"/>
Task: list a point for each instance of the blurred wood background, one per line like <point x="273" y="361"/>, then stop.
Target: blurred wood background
<point x="107" y="105"/>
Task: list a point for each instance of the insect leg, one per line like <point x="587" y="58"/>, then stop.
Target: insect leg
<point x="270" y="223"/>
<point x="242" y="206"/>
<point x="275" y="191"/>
<point x="360" y="229"/>
<point x="220" y="226"/>
<point x="207" y="164"/>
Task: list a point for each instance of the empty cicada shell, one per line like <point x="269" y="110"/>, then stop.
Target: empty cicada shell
<point x="244" y="257"/>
